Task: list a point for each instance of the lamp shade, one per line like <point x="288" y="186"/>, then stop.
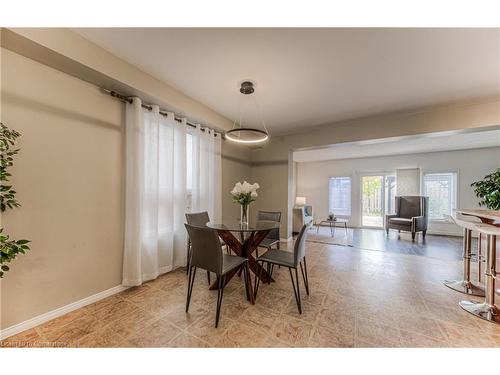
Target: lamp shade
<point x="300" y="201"/>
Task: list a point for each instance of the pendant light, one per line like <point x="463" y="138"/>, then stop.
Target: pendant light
<point x="248" y="135"/>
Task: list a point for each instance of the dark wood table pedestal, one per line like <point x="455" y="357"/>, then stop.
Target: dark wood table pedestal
<point x="245" y="249"/>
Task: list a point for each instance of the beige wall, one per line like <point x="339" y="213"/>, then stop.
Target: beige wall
<point x="273" y="192"/>
<point x="68" y="176"/>
<point x="236" y="167"/>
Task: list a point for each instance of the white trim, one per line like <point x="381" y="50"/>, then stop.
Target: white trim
<point x="443" y="233"/>
<point x="289" y="239"/>
<point x="37" y="320"/>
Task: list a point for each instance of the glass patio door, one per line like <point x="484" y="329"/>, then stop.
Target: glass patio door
<point x="377" y="199"/>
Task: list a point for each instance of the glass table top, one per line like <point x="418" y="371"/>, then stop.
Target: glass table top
<point x="237" y="226"/>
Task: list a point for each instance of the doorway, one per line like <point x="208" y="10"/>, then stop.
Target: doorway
<point x="377" y="199"/>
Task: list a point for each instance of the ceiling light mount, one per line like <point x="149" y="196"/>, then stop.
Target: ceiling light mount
<point x="248" y="135"/>
<point x="247" y="88"/>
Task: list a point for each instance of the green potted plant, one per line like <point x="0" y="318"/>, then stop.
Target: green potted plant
<point x="9" y="248"/>
<point x="488" y="190"/>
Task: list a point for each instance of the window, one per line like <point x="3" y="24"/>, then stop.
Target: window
<point x="339" y="191"/>
<point x="189" y="171"/>
<point x="441" y="188"/>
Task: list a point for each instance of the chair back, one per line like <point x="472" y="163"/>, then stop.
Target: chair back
<point x="299" y="250"/>
<point x="308" y="210"/>
<point x="206" y="248"/>
<point x="198" y="219"/>
<point x="271" y="216"/>
<point x="411" y="206"/>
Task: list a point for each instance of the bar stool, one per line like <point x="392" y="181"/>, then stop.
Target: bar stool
<point x="487" y="310"/>
<point x="465" y="285"/>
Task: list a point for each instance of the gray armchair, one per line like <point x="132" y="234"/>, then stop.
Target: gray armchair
<point x="412" y="213"/>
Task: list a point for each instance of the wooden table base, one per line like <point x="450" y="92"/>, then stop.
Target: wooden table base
<point x="245" y="250"/>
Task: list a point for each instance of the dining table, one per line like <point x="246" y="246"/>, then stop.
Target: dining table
<point x="243" y="239"/>
<point x="491" y="217"/>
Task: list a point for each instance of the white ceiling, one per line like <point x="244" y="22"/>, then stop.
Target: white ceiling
<point x="308" y="77"/>
<point x="440" y="141"/>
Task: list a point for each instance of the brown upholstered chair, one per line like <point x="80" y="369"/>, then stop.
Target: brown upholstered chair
<point x="411" y="215"/>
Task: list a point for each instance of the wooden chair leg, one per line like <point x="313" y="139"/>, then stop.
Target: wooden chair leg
<point x="208" y="277"/>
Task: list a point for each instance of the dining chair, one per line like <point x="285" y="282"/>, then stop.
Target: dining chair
<point x="273" y="238"/>
<point x="291" y="260"/>
<point x="207" y="254"/>
<point x="198" y="219"/>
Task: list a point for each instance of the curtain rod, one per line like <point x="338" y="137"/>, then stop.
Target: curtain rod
<point x="129" y="100"/>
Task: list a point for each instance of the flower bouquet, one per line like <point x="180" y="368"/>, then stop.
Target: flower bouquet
<point x="244" y="194"/>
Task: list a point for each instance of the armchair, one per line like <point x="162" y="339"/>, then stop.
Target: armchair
<point x="302" y="216"/>
<point x="411" y="215"/>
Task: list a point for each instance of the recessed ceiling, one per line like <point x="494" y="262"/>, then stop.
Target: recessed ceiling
<point x="433" y="142"/>
<point x="308" y="77"/>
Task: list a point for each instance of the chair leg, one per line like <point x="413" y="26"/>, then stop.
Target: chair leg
<point x="296" y="290"/>
<point x="272" y="270"/>
<point x="413" y="235"/>
<point x="424" y="233"/>
<point x="278" y="245"/>
<point x="304" y="275"/>
<point x="191" y="277"/>
<point x="269" y="271"/>
<point x="257" y="252"/>
<point x="188" y="255"/>
<point x="220" y="291"/>
<point x="208" y="277"/>
<point x="257" y="280"/>
<point x="387" y="231"/>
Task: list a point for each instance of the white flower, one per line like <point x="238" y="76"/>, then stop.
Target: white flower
<point x="237" y="189"/>
<point x="246" y="188"/>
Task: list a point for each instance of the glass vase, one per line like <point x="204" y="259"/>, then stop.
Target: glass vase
<point x="244" y="214"/>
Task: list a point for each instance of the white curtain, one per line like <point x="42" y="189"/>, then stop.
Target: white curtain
<point x="155" y="237"/>
<point x="207" y="173"/>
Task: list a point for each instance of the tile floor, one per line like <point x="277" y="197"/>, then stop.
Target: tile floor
<point x="359" y="298"/>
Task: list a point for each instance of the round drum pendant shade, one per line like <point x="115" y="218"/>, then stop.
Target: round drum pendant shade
<point x="247" y="135"/>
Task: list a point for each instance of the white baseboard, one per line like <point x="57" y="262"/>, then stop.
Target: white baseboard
<point x="37" y="320"/>
<point x="289" y="239"/>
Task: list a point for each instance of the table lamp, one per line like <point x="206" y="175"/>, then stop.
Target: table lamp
<point x="300" y="201"/>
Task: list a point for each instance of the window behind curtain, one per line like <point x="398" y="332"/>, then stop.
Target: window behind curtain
<point x="441" y="188"/>
<point x="339" y="192"/>
<point x="189" y="170"/>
